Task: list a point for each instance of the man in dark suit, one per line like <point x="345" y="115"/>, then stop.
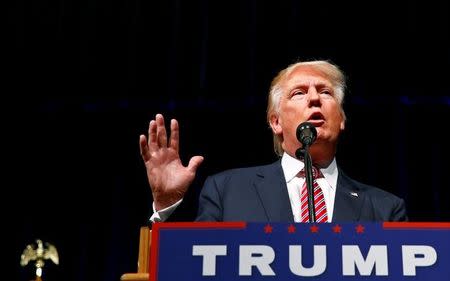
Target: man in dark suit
<point x="311" y="91"/>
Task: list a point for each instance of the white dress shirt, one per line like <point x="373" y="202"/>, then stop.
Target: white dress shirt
<point x="164" y="214"/>
<point x="291" y="167"/>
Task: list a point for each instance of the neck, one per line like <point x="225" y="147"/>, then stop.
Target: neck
<point x="322" y="155"/>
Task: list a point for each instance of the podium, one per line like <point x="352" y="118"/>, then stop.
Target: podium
<point x="294" y="251"/>
<point x="234" y="251"/>
<point x="142" y="273"/>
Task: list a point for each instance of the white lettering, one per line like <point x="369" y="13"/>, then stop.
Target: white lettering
<point x="411" y="261"/>
<point x="260" y="256"/>
<point x="352" y="258"/>
<point x="296" y="265"/>
<point x="209" y="254"/>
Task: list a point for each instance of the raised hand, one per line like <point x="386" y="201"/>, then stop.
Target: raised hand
<point x="168" y="178"/>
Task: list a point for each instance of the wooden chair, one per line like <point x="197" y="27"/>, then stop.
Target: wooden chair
<point x="143" y="259"/>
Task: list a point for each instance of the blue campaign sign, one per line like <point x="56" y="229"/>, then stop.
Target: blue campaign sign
<point x="235" y="251"/>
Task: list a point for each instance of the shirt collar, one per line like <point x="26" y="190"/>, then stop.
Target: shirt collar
<point x="292" y="166"/>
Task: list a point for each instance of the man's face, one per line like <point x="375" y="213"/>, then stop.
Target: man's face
<point x="308" y="96"/>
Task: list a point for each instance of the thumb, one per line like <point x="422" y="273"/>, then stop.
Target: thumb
<point x="194" y="163"/>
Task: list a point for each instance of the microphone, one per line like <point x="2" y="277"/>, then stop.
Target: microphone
<point x="306" y="134"/>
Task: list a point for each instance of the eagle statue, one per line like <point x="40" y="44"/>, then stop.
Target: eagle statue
<point x="38" y="253"/>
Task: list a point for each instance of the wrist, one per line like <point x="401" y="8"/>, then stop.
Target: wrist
<point x="163" y="203"/>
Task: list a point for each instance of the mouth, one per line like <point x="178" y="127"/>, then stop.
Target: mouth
<point x="317" y="119"/>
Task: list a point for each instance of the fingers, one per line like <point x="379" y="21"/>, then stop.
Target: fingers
<point x="152" y="137"/>
<point x="145" y="153"/>
<point x="194" y="163"/>
<point x="157" y="137"/>
<point x="161" y="134"/>
<point x="174" y="135"/>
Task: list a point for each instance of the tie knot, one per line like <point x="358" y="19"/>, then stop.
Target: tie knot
<point x="315" y="171"/>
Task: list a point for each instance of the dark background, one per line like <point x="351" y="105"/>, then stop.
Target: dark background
<point x="84" y="78"/>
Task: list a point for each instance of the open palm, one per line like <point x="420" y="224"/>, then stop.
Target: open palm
<point x="168" y="178"/>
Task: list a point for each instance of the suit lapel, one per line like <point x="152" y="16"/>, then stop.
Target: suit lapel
<point x="272" y="191"/>
<point x="349" y="200"/>
<point x="271" y="188"/>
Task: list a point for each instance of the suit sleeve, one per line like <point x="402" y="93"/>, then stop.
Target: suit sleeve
<point x="210" y="202"/>
<point x="387" y="206"/>
<point x="399" y="211"/>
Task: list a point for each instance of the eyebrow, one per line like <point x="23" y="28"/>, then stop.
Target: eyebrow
<point x="318" y="85"/>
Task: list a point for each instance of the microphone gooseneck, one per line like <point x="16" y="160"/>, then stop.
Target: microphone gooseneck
<point x="306" y="135"/>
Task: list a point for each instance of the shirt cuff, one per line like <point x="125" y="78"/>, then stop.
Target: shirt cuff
<point x="164" y="214"/>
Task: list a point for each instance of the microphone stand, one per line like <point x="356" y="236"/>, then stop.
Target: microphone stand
<point x="309" y="180"/>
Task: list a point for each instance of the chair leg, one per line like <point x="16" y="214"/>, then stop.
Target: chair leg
<point x="143" y="258"/>
<point x="144" y="249"/>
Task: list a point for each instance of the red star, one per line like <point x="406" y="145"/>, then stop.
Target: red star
<point x="314" y="229"/>
<point x="337" y="228"/>
<point x="291" y="229"/>
<point x="268" y="228"/>
<point x="359" y="229"/>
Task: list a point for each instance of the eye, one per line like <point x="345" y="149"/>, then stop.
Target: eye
<point x="327" y="92"/>
<point x="295" y="93"/>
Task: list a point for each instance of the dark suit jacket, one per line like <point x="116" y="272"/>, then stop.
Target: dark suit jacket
<point x="259" y="194"/>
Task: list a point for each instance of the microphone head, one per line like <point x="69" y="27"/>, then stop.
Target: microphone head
<point x="306" y="133"/>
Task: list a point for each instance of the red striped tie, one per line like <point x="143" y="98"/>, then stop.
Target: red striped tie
<point x="319" y="201"/>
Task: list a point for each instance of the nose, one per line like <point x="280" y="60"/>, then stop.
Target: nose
<point x="313" y="96"/>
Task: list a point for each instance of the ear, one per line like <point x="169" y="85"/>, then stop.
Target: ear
<point x="342" y="125"/>
<point x="275" y="124"/>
